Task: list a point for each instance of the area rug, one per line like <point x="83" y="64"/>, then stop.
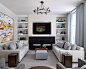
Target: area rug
<point x="30" y="61"/>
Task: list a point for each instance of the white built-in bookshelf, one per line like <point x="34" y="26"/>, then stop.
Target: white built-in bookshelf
<point x="22" y="28"/>
<point x="61" y="28"/>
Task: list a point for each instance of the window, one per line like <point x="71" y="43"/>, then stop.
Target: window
<point x="73" y="26"/>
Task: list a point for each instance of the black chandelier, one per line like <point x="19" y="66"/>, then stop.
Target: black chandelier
<point x="42" y="9"/>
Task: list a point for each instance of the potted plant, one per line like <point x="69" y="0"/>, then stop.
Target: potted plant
<point x="44" y="46"/>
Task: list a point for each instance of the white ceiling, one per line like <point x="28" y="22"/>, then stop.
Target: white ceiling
<point x="25" y="7"/>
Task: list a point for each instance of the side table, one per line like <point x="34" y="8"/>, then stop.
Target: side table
<point x="13" y="59"/>
<point x="67" y="60"/>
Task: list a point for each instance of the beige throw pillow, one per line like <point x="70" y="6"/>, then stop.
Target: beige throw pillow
<point x="73" y="46"/>
<point x="6" y="47"/>
<point x="66" y="44"/>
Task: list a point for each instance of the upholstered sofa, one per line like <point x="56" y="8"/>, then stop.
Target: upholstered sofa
<point x="21" y="52"/>
<point x="81" y="65"/>
<point x="78" y="53"/>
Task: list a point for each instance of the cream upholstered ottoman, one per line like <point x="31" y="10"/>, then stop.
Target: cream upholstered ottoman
<point x="41" y="54"/>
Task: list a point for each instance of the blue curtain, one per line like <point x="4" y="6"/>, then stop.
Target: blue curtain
<point x="69" y="20"/>
<point x="79" y="37"/>
<point x="85" y="28"/>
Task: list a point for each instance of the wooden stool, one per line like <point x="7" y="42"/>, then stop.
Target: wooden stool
<point x="67" y="60"/>
<point x="13" y="59"/>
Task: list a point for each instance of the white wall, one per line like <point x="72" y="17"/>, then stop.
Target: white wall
<point x="42" y="18"/>
<point x="6" y="11"/>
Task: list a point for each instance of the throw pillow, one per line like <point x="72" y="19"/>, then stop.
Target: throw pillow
<point x="6" y="47"/>
<point x="22" y="42"/>
<point x="19" y="45"/>
<point x="66" y="44"/>
<point x="12" y="46"/>
<point x="68" y="47"/>
<point x="83" y="67"/>
<point x="73" y="47"/>
<point x="61" y="44"/>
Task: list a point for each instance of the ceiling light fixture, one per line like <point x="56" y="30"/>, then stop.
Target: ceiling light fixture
<point x="42" y="9"/>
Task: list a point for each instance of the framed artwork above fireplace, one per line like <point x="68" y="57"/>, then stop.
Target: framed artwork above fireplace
<point x="42" y="28"/>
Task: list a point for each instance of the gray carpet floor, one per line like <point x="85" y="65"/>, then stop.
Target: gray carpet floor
<point x="30" y="61"/>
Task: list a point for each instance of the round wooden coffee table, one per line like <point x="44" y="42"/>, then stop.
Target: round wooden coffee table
<point x="40" y="67"/>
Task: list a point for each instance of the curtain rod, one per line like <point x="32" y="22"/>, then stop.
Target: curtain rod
<point x="73" y="9"/>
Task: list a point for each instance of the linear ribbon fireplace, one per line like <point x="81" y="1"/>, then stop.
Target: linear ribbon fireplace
<point x="37" y="42"/>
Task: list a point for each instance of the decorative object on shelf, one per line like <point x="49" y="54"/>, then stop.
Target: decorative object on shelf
<point x="18" y="38"/>
<point x="6" y="28"/>
<point x="44" y="46"/>
<point x="63" y="32"/>
<point x="42" y="9"/>
<point x="58" y="33"/>
<point x="25" y="32"/>
<point x="22" y="20"/>
<point x="62" y="25"/>
<point x="63" y="38"/>
<point x="22" y="38"/>
<point x="26" y="27"/>
<point x="20" y="31"/>
<point x="64" y="20"/>
<point x="20" y="26"/>
<point x="59" y="20"/>
<point x="58" y="26"/>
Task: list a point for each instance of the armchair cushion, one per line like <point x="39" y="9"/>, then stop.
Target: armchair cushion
<point x="81" y="62"/>
<point x="83" y="67"/>
<point x="76" y="68"/>
<point x="59" y="66"/>
<point x="5" y="68"/>
<point x="2" y="62"/>
<point x="21" y="66"/>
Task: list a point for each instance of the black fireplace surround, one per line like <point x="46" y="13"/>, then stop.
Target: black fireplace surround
<point x="37" y="42"/>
